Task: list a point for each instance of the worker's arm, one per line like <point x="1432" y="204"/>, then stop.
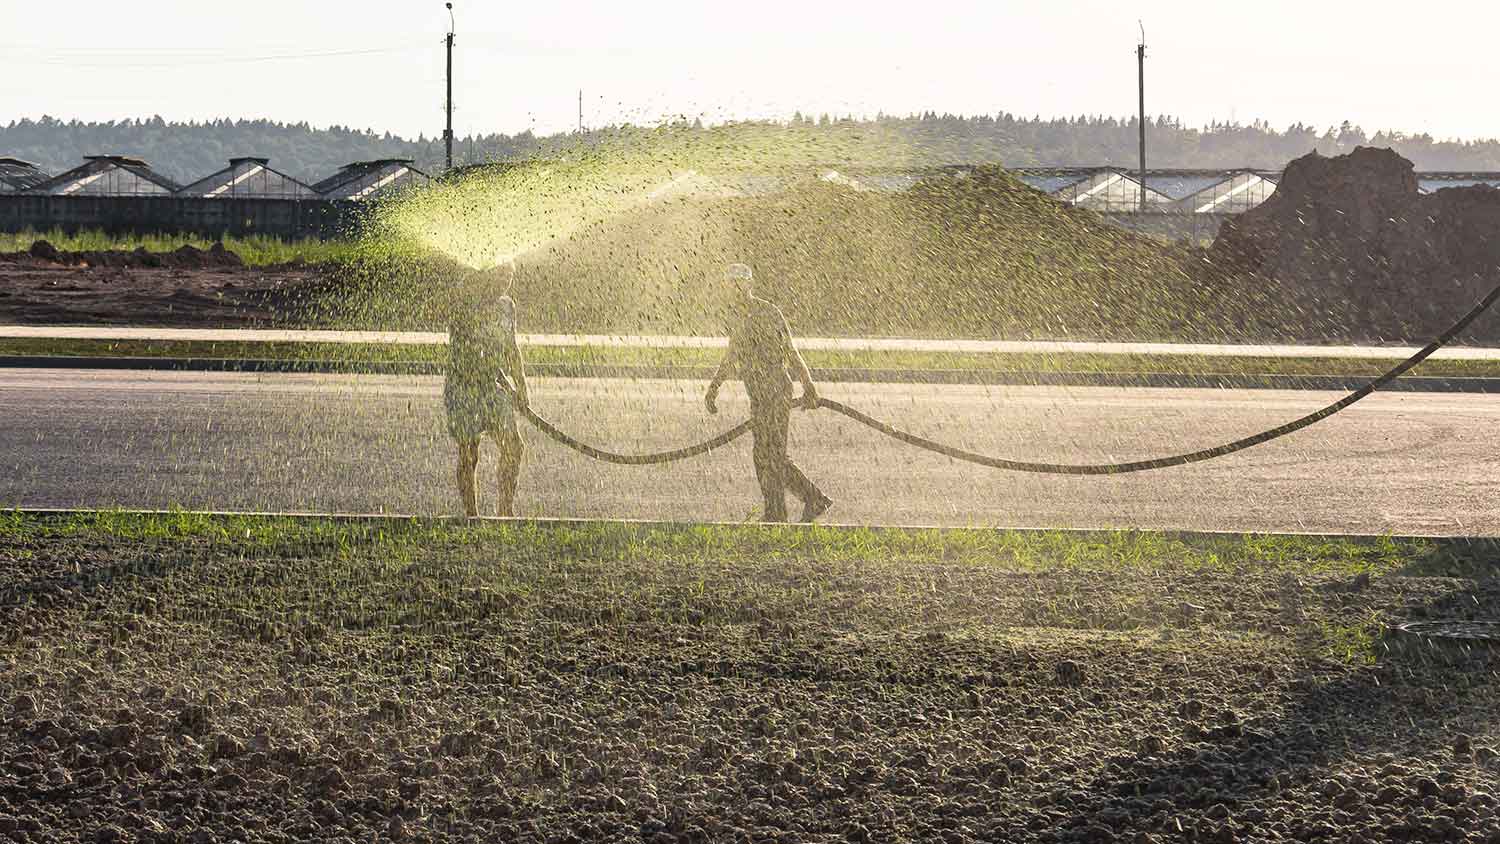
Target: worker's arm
<point x="515" y="369"/>
<point x="511" y="363"/>
<point x="799" y="369"/>
<point x="726" y="368"/>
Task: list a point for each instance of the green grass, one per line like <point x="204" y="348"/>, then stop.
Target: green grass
<point x="222" y="350"/>
<point x="323" y="575"/>
<point x="1354" y="643"/>
<point x="611" y="356"/>
<point x="256" y="250"/>
<point x="696" y="545"/>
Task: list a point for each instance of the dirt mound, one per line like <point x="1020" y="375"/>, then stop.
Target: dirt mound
<point x="183" y="258"/>
<point x="982" y="255"/>
<point x="1353" y="237"/>
<point x="41" y="292"/>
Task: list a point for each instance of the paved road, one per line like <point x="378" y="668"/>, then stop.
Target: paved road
<point x="1403" y="463"/>
<point x="841" y="344"/>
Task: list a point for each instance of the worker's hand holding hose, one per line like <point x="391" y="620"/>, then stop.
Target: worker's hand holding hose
<point x="809" y="398"/>
<point x="519" y="396"/>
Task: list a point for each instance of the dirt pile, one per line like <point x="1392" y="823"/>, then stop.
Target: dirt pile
<point x="1353" y="240"/>
<point x="36" y="291"/>
<point x="182" y="258"/>
<point x="982" y="255"/>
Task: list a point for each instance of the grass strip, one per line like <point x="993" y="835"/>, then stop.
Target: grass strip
<point x="564" y="542"/>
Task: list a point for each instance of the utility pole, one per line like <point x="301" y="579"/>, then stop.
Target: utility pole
<point x="1140" y="59"/>
<point x="448" y="132"/>
<point x="580" y="111"/>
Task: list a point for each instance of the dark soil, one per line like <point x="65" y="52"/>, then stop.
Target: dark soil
<point x="187" y="691"/>
<point x="1352" y="235"/>
<point x="43" y="253"/>
<point x="187" y="288"/>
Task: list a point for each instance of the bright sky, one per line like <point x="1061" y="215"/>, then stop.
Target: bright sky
<point x="520" y="65"/>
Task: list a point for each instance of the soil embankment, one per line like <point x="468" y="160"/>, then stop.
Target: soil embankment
<point x="188" y="287"/>
<point x="1354" y="244"/>
<point x="43" y="253"/>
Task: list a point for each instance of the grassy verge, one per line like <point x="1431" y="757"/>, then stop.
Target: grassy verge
<point x="606" y="356"/>
<point x="446" y="680"/>
<point x="608" y="543"/>
<point x="778" y="571"/>
<point x="256" y="250"/>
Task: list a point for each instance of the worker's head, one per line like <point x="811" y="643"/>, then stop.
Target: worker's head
<point x="483" y="290"/>
<point x="504" y="274"/>
<point x="742" y="278"/>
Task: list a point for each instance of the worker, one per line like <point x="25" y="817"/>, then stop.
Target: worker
<point x="761" y="352"/>
<point x="482" y="355"/>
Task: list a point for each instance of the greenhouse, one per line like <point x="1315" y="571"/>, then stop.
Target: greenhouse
<point x="17" y="175"/>
<point x="368" y="179"/>
<point x="108" y="175"/>
<point x="249" y="178"/>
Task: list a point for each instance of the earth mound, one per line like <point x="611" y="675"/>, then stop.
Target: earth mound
<point x="187" y="287"/>
<point x="978" y="254"/>
<point x="183" y="258"/>
<point x="1352" y="236"/>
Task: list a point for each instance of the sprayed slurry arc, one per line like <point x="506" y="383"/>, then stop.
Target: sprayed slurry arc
<point x="629" y="236"/>
<point x="1455" y="629"/>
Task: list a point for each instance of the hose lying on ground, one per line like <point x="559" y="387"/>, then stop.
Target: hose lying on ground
<point x="635" y="459"/>
<point x="1025" y="466"/>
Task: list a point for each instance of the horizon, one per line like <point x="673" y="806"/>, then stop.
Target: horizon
<point x="1124" y="120"/>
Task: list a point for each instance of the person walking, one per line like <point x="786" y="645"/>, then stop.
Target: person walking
<point x="761" y="352"/>
<point x="482" y="353"/>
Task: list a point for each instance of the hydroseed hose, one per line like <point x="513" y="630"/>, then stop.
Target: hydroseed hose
<point x="1024" y="466"/>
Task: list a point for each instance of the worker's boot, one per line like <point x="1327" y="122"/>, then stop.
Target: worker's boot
<point x="816" y="507"/>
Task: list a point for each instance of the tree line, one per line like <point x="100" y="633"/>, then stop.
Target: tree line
<point x="186" y="151"/>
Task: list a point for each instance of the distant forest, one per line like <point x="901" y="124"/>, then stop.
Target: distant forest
<point x="185" y="151"/>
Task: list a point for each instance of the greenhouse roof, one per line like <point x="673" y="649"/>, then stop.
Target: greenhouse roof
<point x="365" y="179"/>
<point x="18" y="175"/>
<point x="108" y="175"/>
<point x="249" y="178"/>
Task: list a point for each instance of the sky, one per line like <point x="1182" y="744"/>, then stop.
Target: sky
<point x="378" y="64"/>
